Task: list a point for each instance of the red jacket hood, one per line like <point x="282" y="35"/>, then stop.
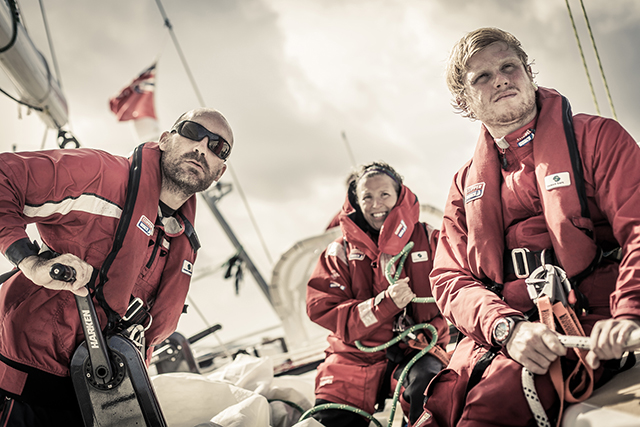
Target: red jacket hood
<point x="395" y="231"/>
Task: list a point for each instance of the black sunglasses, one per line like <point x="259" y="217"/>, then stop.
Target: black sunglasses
<point x="195" y="132"/>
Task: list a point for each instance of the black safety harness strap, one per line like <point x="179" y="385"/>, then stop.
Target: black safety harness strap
<point x="136" y="312"/>
<point x="576" y="161"/>
<point x="113" y="318"/>
<point x="481" y="365"/>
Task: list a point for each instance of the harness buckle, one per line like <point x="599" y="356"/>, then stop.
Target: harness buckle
<point x="134" y="307"/>
<point x="519" y="258"/>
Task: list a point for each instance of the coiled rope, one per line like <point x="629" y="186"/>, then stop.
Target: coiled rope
<point x="401" y="256"/>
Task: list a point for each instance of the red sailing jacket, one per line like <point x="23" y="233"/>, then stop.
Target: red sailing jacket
<point x="346" y="294"/>
<point x="535" y="207"/>
<point x="76" y="197"/>
<point x="532" y="204"/>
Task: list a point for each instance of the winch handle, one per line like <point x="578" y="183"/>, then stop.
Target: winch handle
<point x="94" y="340"/>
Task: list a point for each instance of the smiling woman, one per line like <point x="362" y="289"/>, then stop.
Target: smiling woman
<point x="377" y="190"/>
<point x="349" y="294"/>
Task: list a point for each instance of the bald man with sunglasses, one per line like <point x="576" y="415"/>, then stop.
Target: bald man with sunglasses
<point x="77" y="198"/>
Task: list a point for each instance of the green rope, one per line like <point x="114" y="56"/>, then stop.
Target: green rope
<point x="584" y="62"/>
<point x="402" y="256"/>
<point x="595" y="49"/>
<point x="403" y="375"/>
<point x="338" y="406"/>
<point x="423" y="299"/>
<point x="427" y="326"/>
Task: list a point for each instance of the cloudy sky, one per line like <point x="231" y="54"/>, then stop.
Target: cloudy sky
<point x="299" y="80"/>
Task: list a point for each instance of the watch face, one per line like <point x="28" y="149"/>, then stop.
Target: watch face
<point x="501" y="332"/>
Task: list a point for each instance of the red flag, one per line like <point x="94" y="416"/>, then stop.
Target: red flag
<point x="136" y="100"/>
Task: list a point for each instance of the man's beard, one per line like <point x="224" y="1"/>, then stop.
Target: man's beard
<point x="510" y="115"/>
<point x="179" y="180"/>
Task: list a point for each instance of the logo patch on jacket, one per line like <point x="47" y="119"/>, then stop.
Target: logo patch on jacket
<point x="557" y="180"/>
<point x="473" y="192"/>
<point x="527" y="138"/>
<point x="419" y="256"/>
<point x="355" y="254"/>
<point x="402" y="228"/>
<point x="187" y="268"/>
<point x="145" y="225"/>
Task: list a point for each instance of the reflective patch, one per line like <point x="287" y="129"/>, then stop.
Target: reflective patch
<point x="89" y="203"/>
<point x="325" y="380"/>
<point x="426" y="416"/>
<point x="401" y="229"/>
<point x="337" y="250"/>
<point x="365" y="309"/>
<point x="419" y="256"/>
<point x="473" y="192"/>
<point x="557" y="180"/>
<point x="145" y="225"/>
<point x="187" y="268"/>
<point x="356" y="255"/>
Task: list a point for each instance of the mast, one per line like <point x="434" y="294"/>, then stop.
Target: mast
<point x="212" y="196"/>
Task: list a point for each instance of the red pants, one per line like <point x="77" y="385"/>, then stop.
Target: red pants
<point x="497" y="400"/>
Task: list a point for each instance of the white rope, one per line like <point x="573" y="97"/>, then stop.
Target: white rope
<point x="528" y="384"/>
<point x="529" y="389"/>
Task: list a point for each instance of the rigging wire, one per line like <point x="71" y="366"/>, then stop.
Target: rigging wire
<point x="349" y="151"/>
<point x="593" y="43"/>
<point x="167" y="24"/>
<point x="251" y="216"/>
<point x="208" y="325"/>
<point x="51" y="50"/>
<point x="44" y="137"/>
<point x="584" y="62"/>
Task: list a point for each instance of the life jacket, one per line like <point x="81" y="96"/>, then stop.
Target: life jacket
<point x="558" y="172"/>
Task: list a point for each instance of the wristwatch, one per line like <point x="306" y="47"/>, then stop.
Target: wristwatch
<point x="503" y="329"/>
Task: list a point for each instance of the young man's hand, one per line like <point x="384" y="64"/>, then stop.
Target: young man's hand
<point x="534" y="346"/>
<point x="608" y="340"/>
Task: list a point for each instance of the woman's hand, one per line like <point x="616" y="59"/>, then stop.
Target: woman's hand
<point x="401" y="293"/>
